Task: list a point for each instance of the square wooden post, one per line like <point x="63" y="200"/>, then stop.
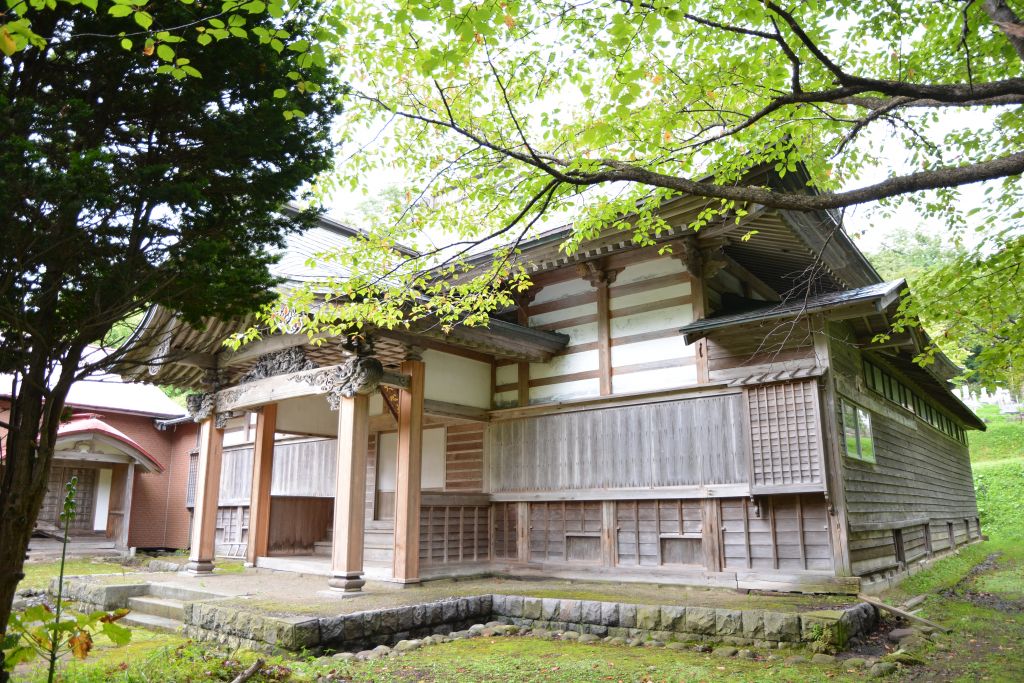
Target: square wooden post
<point x="350" y="495"/>
<point x="204" y="522"/>
<point x="262" y="473"/>
<point x="121" y="542"/>
<point x="408" y="475"/>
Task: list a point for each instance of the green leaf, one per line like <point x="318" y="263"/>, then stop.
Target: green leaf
<point x="165" y="52"/>
<point x="280" y="92"/>
<point x="120" y="10"/>
<point x="119" y="635"/>
<point x="126" y="43"/>
<point x="144" y="19"/>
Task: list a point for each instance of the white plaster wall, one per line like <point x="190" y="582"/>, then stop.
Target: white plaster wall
<point x="652" y="321"/>
<point x="565" y="365"/>
<point x="563" y="314"/>
<point x="653" y="380"/>
<point x="651" y="295"/>
<point x="566" y="390"/>
<point x="433" y="460"/>
<point x="561" y="290"/>
<point x="456" y="379"/>
<point x="101" y="504"/>
<point x="664" y="265"/>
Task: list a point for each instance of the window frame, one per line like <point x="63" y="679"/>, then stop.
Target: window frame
<point x="860" y="417"/>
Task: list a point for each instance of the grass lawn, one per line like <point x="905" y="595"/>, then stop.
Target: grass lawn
<point x="1003" y="440"/>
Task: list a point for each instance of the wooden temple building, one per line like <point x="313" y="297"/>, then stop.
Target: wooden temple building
<point x="719" y="415"/>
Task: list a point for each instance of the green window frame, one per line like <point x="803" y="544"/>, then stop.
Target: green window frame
<point x="858" y="439"/>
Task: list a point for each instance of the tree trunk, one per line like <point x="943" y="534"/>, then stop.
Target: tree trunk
<point x="26" y="470"/>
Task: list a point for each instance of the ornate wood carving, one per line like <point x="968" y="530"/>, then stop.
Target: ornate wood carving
<point x="360" y="375"/>
<point x="285" y="361"/>
<point x="595" y="273"/>
<point x="200" y="406"/>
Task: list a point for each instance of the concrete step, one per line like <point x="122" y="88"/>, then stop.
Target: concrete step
<point x="158" y="607"/>
<point x="152" y="622"/>
<point x="170" y="592"/>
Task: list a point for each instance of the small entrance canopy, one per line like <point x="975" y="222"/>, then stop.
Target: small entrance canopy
<point x="88" y="438"/>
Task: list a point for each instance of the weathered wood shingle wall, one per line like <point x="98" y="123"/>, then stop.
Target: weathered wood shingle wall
<point x="693" y="442"/>
<point x="920" y="485"/>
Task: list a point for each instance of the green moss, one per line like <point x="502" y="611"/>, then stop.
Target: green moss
<point x="39" y="574"/>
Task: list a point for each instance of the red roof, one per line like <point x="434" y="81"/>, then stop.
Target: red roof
<point x="89" y="423"/>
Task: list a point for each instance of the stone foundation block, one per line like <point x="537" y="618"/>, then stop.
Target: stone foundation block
<point x="673" y="618"/>
<point x="728" y="622"/>
<point x="701" y="620"/>
<point x="781" y="626"/>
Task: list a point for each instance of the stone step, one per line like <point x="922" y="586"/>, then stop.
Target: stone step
<point x="323" y="548"/>
<point x="171" y="592"/>
<point x="158" y="607"/>
<point x="152" y="622"/>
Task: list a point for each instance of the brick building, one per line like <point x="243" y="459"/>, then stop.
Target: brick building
<point x="129" y="445"/>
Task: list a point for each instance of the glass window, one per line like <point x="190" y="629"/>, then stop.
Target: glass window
<point x="850" y="429"/>
<point x="864" y="439"/>
<point x="857" y="432"/>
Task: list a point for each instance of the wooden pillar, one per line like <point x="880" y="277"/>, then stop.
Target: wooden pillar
<point x="350" y="494"/>
<point x="408" y="475"/>
<point x="522" y="368"/>
<point x="262" y="473"/>
<point x="711" y="532"/>
<point x="204" y="522"/>
<point x="523" y="532"/>
<point x="604" y="338"/>
<point x="121" y="542"/>
<point x="609" y="534"/>
<point x="693" y="260"/>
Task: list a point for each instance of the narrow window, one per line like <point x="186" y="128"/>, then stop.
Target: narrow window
<point x="901" y="552"/>
<point x="857" y="432"/>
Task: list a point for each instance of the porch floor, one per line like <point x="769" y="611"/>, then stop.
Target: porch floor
<point x="79" y="545"/>
<point x="293" y="594"/>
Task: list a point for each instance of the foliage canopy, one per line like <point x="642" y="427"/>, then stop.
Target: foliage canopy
<point x="505" y="116"/>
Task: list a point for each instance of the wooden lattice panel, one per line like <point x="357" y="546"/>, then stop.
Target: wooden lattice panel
<point x="505" y="531"/>
<point x="785" y="436"/>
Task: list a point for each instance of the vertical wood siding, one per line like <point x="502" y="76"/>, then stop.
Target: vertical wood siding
<point x="558" y="532"/>
<point x="504" y="531"/>
<point x="652" y="533"/>
<point x="454" y="534"/>
<point x="785" y="434"/>
<point x="696" y="441"/>
<point x="297" y="523"/>
<point x="787" y="533"/>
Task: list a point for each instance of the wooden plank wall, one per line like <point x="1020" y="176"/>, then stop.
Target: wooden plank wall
<point x="305" y="468"/>
<point x="464" y="458"/>
<point x="786" y="533"/>
<point x="454" y="534"/>
<point x="297" y="523"/>
<point x="566" y="532"/>
<point x="648" y="302"/>
<point x="504" y="531"/>
<point x="235" y="476"/>
<point x="696" y="441"/>
<point x="772" y="346"/>
<point x="921" y="475"/>
<point x="785" y="434"/>
<point x="659" y="532"/>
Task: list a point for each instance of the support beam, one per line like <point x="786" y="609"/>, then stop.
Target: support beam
<point x="262" y="473"/>
<point x="204" y="519"/>
<point x="121" y="542"/>
<point x="408" y="476"/>
<point x="350" y="495"/>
